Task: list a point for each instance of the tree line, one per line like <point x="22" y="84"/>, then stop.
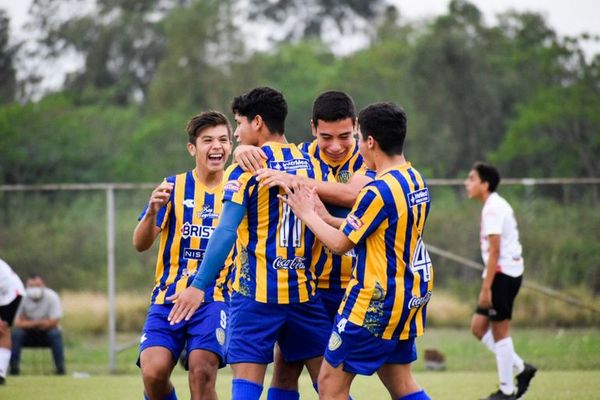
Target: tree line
<point x="513" y="92"/>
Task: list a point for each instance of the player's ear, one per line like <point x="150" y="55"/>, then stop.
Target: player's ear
<point x="191" y="148"/>
<point x="257" y="122"/>
<point x="313" y="128"/>
<point x="371" y="142"/>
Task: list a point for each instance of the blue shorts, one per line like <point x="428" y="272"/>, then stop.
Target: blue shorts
<point x="332" y="298"/>
<point x="205" y="330"/>
<point x="300" y="329"/>
<point x="361" y="352"/>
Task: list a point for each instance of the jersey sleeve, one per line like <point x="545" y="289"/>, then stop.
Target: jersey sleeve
<point x="363" y="170"/>
<point x="236" y="185"/>
<point x="492" y="219"/>
<point x="366" y="215"/>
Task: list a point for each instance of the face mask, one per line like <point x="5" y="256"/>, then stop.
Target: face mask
<point x="35" y="293"/>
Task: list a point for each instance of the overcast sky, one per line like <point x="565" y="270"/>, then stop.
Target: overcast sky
<point x="567" y="17"/>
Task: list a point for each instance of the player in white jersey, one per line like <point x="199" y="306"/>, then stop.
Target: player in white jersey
<point x="501" y="253"/>
<point x="11" y="294"/>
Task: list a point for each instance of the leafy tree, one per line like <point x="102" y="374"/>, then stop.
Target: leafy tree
<point x="7" y="52"/>
<point x="120" y="42"/>
<point x="557" y="133"/>
<point x="315" y="18"/>
<point x="201" y="44"/>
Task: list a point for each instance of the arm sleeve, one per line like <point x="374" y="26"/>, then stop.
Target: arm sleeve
<point x="366" y="216"/>
<point x="222" y="240"/>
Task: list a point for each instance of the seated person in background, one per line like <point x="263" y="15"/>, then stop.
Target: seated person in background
<point x="36" y="324"/>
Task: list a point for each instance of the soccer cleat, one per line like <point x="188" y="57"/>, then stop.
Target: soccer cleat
<point x="524" y="378"/>
<point x="499" y="396"/>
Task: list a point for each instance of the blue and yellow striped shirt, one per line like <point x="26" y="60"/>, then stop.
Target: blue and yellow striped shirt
<point x="334" y="271"/>
<point x="274" y="248"/>
<point x="187" y="222"/>
<point x="393" y="279"/>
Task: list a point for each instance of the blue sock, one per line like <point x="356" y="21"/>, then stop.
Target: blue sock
<point x="420" y="395"/>
<point x="242" y="389"/>
<point x="170" y="396"/>
<point x="282" y="394"/>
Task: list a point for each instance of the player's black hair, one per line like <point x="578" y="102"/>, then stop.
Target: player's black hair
<point x="386" y="123"/>
<point x="332" y="106"/>
<point x="266" y="102"/>
<point x="207" y="119"/>
<point x="488" y="173"/>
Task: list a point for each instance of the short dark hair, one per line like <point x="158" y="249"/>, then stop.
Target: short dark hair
<point x="386" y="123"/>
<point x="266" y="102"/>
<point x="332" y="106"/>
<point x="207" y="119"/>
<point x="488" y="173"/>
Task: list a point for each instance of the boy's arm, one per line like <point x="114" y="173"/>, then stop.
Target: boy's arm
<point x="303" y="202"/>
<point x="341" y="194"/>
<point x="146" y="230"/>
<point x="485" y="294"/>
<point x="188" y="300"/>
<point x="249" y="158"/>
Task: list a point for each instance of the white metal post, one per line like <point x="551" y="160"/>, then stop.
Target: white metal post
<point x="112" y="338"/>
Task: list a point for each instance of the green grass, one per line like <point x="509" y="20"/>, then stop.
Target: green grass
<point x="569" y="362"/>
<point x="548" y="385"/>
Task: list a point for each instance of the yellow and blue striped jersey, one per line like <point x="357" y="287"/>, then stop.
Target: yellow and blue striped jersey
<point x="393" y="279"/>
<point x="187" y="222"/>
<point x="274" y="248"/>
<point x="334" y="271"/>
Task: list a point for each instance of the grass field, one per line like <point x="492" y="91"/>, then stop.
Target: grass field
<point x="569" y="362"/>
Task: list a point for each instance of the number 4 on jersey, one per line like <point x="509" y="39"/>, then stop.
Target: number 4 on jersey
<point x="421" y="261"/>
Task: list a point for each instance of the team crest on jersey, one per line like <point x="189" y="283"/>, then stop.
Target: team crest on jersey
<point x="335" y="341"/>
<point x="418" y="197"/>
<point x="291" y="165"/>
<point x="343" y="176"/>
<point x="220" y="334"/>
<point x="207" y="212"/>
<point x="354" y="222"/>
<point x="232" y="186"/>
<point x="199" y="231"/>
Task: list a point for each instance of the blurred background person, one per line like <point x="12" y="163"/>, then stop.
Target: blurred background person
<point x="37" y="324"/>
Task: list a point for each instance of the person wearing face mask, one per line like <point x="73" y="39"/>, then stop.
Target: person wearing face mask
<point x="37" y="324"/>
<point x="11" y="294"/>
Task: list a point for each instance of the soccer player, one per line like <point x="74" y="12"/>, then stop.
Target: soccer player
<point x="184" y="210"/>
<point x="383" y="310"/>
<point x="501" y="253"/>
<point x="11" y="294"/>
<point x="274" y="288"/>
<point x="333" y="127"/>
